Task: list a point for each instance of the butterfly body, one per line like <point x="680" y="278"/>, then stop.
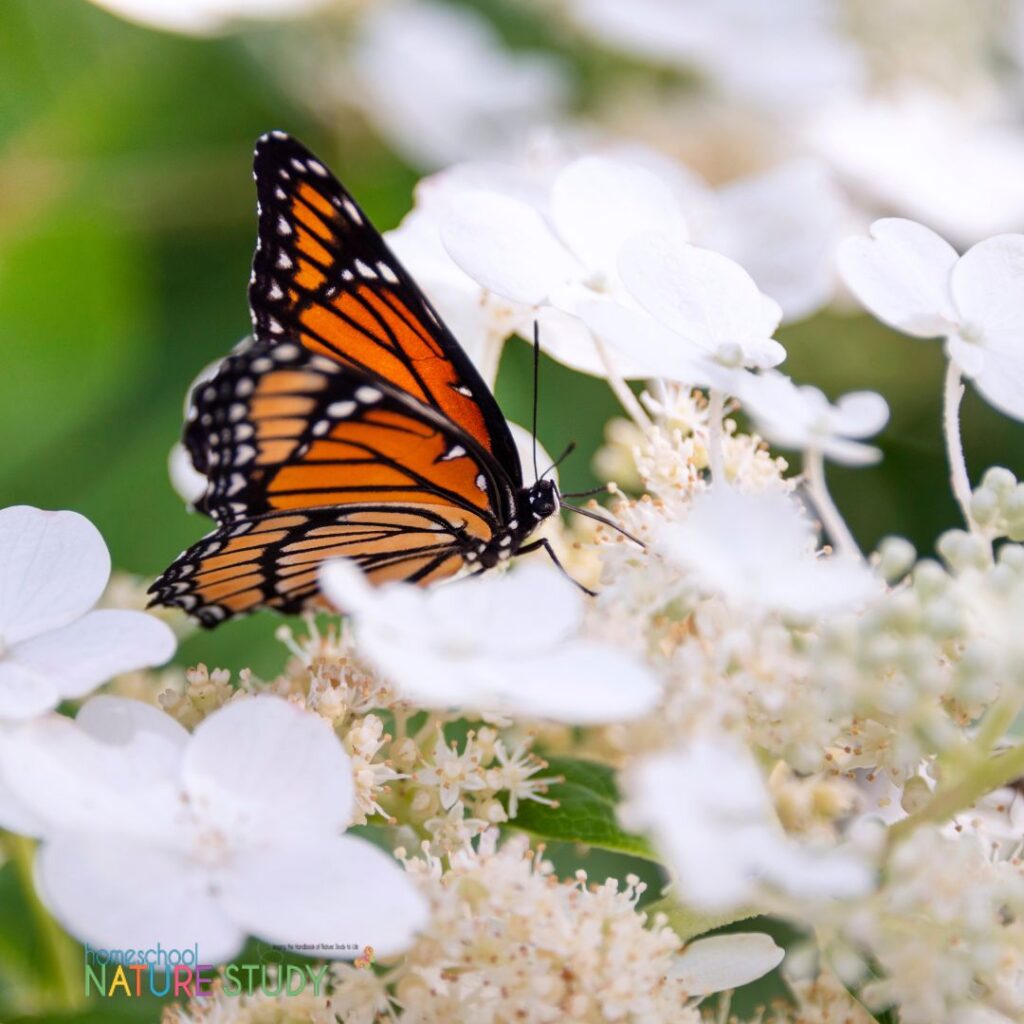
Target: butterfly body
<point x="351" y="425"/>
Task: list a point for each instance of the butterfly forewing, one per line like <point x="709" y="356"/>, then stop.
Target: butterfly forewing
<point x="323" y="275"/>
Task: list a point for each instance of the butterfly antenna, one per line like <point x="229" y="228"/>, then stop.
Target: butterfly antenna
<point x="601" y="489"/>
<point x="586" y="513"/>
<point x="569" y="449"/>
<point x="536" y="391"/>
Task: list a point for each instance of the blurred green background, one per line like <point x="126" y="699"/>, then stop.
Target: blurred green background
<point x="127" y="225"/>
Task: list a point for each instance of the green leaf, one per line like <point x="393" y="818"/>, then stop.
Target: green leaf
<point x="585" y="813"/>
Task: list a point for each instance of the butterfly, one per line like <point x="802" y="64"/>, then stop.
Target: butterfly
<point x="351" y="424"/>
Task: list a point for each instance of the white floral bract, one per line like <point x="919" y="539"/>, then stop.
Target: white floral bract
<point x="152" y="835"/>
<point x="53" y="568"/>
<point x="913" y="280"/>
<point x="699" y="318"/>
<point x="801" y="417"/>
<point x="759" y="550"/>
<point x="412" y="61"/>
<point x="501" y="643"/>
<point x="711" y="815"/>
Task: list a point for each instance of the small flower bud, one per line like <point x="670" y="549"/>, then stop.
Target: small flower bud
<point x="895" y="557"/>
<point x="961" y="550"/>
<point x="915" y="794"/>
<point x="999" y="480"/>
<point x="984" y="506"/>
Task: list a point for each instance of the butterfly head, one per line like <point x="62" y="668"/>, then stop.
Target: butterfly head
<point x="542" y="498"/>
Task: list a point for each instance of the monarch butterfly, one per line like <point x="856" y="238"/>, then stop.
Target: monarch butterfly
<point x="351" y="424"/>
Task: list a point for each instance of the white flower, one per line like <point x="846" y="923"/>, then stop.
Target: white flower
<point x="438" y="83"/>
<point x="801" y="417"/>
<point x="759" y="549"/>
<point x="204" y="17"/>
<point x="789" y="53"/>
<point x="561" y="248"/>
<point x="189" y="483"/>
<point x="705" y="318"/>
<point x="709" y="810"/>
<point x="914" y="281"/>
<point x="929" y="157"/>
<point x="723" y="962"/>
<point x="500" y="643"/>
<point x="53" y="568"/>
<point x="153" y="835"/>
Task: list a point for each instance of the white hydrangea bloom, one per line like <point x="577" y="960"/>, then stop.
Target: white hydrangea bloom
<point x="759" y="549"/>
<point x="53" y="645"/>
<point x="507" y="644"/>
<point x="240" y="823"/>
<point x="411" y="62"/>
<point x="912" y="279"/>
<point x="801" y="417"/>
<point x="710" y="813"/>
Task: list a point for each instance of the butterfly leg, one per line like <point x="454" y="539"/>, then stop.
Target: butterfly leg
<point x="544" y="543"/>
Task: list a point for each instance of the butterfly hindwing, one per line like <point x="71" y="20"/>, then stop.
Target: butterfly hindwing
<point x="323" y="276"/>
<point x="277" y="427"/>
<point x="273" y="561"/>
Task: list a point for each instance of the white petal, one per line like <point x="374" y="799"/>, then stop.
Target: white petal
<point x="781" y="227"/>
<point x="15" y="816"/>
<point x="1000" y="378"/>
<point x="334" y="892"/>
<point x="185" y="478"/>
<point x="701" y="295"/>
<point x="634" y="335"/>
<point x="538" y="608"/>
<point x="119" y="720"/>
<point x="53" y="568"/>
<point x="101" y="644"/>
<point x="564" y="337"/>
<point x="988" y="288"/>
<point x="506" y="246"/>
<point x="131" y="896"/>
<point x="902" y="276"/>
<point x="861" y="414"/>
<point x="72" y="780"/>
<point x="581" y="683"/>
<point x="24" y="693"/>
<point x="524" y="441"/>
<point x="722" y="962"/>
<point x="598" y="203"/>
<point x="262" y="767"/>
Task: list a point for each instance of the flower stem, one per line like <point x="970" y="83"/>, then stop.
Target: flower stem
<point x="58" y="950"/>
<point x="831" y="518"/>
<point x="991" y="774"/>
<point x="621" y="390"/>
<point x="961" y="483"/>
<point x="716" y="412"/>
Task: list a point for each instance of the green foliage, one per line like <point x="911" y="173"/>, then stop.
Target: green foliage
<point x="586" y="810"/>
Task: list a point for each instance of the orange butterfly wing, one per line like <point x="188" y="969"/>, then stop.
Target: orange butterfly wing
<point x="323" y="275"/>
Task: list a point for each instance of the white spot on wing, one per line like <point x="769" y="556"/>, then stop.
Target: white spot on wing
<point x="339" y="410"/>
<point x="368" y="395"/>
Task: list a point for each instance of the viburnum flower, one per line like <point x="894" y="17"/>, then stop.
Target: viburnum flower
<point x="913" y="280"/>
<point x="505" y="644"/>
<point x="784" y="55"/>
<point x="150" y="834"/>
<point x="699" y="318"/>
<point x="799" y="416"/>
<point x="411" y="63"/>
<point x="53" y="568"/>
<point x="710" y="813"/>
<point x="759" y="550"/>
<point x="560" y="247"/>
